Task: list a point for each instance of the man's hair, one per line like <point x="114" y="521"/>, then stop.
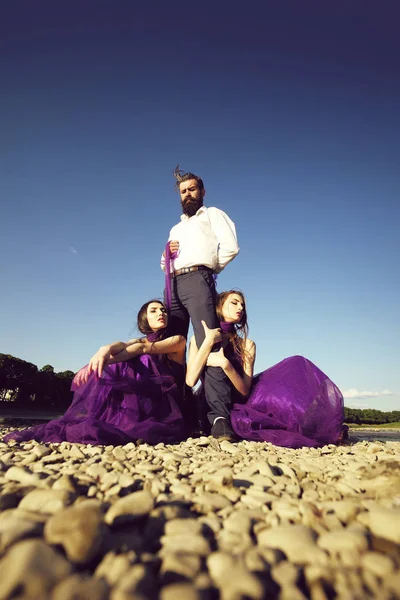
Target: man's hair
<point x="182" y="176"/>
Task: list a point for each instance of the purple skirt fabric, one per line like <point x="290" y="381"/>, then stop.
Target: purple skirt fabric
<point x="291" y="404"/>
<point x="136" y="399"/>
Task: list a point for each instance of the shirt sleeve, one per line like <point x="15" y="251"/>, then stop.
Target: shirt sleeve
<point x="225" y="231"/>
<point x="162" y="261"/>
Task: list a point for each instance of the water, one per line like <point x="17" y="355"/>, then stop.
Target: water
<point x="381" y="435"/>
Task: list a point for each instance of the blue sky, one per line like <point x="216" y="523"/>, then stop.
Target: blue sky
<point x="289" y="112"/>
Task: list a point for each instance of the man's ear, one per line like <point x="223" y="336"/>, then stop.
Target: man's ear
<point x="203" y="192"/>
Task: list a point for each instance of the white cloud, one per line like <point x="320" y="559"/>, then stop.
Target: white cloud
<point x="73" y="250"/>
<point x="356" y="394"/>
<point x="357" y="405"/>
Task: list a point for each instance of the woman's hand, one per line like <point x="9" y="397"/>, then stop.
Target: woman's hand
<point x="217" y="359"/>
<point x="82" y="376"/>
<point x="211" y="335"/>
<point x="96" y="363"/>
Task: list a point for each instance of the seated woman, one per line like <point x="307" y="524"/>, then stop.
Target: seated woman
<point x="128" y="391"/>
<point x="291" y="404"/>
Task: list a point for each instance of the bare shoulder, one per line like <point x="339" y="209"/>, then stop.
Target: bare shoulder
<point x="176" y="340"/>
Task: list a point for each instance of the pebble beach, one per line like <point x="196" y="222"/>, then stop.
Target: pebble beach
<point x="200" y="520"/>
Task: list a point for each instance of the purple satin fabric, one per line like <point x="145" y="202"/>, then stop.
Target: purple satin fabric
<point x="135" y="399"/>
<point x="155" y="336"/>
<point x="227" y="327"/>
<point x="291" y="404"/>
<point x="169" y="257"/>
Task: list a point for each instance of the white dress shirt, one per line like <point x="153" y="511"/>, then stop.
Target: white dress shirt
<point x="208" y="238"/>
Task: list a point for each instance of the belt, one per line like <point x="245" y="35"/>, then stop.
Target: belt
<point x="189" y="270"/>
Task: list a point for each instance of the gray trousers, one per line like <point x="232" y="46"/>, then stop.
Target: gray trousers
<point x="193" y="298"/>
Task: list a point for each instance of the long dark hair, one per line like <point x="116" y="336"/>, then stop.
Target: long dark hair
<point x="237" y="338"/>
<point x="142" y="321"/>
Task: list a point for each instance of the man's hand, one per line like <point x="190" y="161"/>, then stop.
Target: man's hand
<point x="217" y="359"/>
<point x="173" y="247"/>
<point x="212" y="335"/>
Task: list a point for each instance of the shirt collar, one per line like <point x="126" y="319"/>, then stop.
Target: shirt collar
<point x="201" y="210"/>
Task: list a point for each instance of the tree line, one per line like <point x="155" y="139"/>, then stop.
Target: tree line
<point x="370" y="416"/>
<point x="24" y="386"/>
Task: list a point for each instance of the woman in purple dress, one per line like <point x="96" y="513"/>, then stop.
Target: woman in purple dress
<point x="128" y="391"/>
<point x="291" y="404"/>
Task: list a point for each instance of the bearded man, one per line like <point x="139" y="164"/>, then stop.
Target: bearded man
<point x="202" y="244"/>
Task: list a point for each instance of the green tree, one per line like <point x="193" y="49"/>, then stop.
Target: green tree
<point x="17" y="375"/>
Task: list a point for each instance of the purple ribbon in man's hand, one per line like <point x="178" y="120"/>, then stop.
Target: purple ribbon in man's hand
<point x="168" y="258"/>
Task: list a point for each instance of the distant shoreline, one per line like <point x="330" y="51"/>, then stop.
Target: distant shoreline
<point x="34" y="415"/>
<point x="46" y="415"/>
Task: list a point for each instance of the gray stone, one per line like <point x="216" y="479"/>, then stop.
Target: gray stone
<point x="114" y="566"/>
<point x="378" y="564"/>
<point x="343" y="541"/>
<point x="97" y="471"/>
<point x="65" y="482"/>
<point x="219" y="565"/>
<point x="208" y="501"/>
<point x="31" y="567"/>
<point x="40" y="450"/>
<point x="183" y="542"/>
<point x="13" y="530"/>
<point x="125" y="480"/>
<point x="238" y="522"/>
<point x="296" y="541"/>
<point x="183" y="527"/>
<point x="233" y="580"/>
<point x="130" y="508"/>
<point x="138" y="580"/>
<point x="185" y="564"/>
<point x="79" y="529"/>
<point x="46" y="501"/>
<point x="76" y="452"/>
<point x="383" y="522"/>
<point x="22" y="475"/>
<point x="229" y="447"/>
<point x="119" y="453"/>
<point x="179" y="591"/>
<point x="79" y="587"/>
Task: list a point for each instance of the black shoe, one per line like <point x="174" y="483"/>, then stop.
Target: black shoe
<point x="222" y="430"/>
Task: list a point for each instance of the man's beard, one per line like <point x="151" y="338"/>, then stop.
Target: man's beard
<point x="190" y="207"/>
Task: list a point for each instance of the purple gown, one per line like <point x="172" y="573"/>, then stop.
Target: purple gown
<point x="291" y="404"/>
<point x="136" y="399"/>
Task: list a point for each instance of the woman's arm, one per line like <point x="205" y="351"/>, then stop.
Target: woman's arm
<point x="120" y="351"/>
<point x="242" y="384"/>
<point x="130" y="351"/>
<point x="106" y="352"/>
<point x="172" y="345"/>
<point x="175" y="343"/>
<point x="197" y="358"/>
